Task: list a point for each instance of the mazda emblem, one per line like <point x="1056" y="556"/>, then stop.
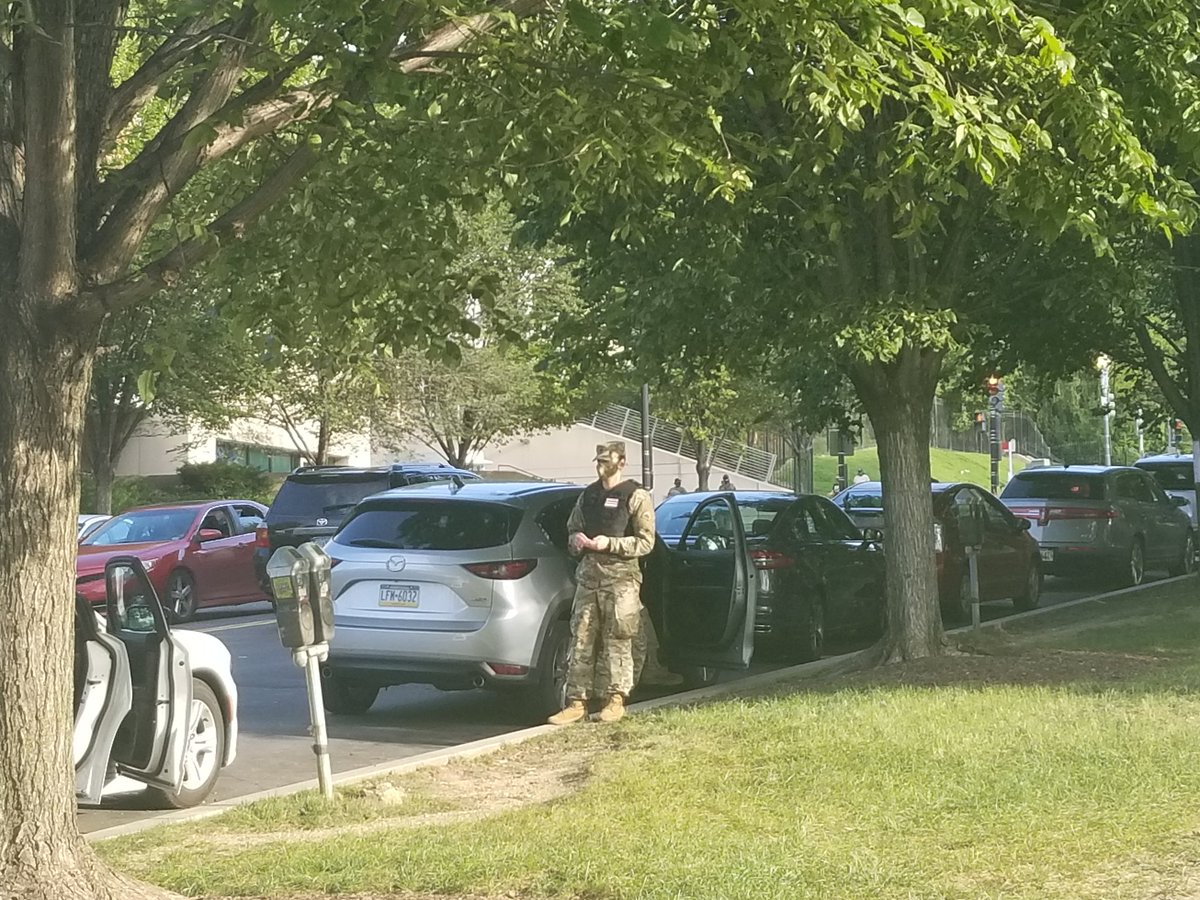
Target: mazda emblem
<point x="396" y="564"/>
<point x="322" y="521"/>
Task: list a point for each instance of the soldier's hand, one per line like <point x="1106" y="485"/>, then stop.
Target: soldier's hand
<point x="600" y="542"/>
<point x="579" y="542"/>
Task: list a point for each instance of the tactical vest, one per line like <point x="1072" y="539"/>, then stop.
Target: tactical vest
<point x="607" y="511"/>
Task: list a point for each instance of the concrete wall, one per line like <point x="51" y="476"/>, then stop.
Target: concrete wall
<point x="566" y="455"/>
<point x="159" y="450"/>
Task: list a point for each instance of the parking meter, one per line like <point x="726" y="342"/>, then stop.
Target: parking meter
<point x="971" y="521"/>
<point x="288" y="570"/>
<point x="320" y="599"/>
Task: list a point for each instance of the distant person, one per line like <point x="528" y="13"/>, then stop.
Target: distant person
<point x="835" y="490"/>
<point x="677" y="488"/>
<point x="726" y="484"/>
<point x="862" y="477"/>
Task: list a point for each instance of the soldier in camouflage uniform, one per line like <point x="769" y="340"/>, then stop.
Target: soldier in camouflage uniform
<point x="610" y="528"/>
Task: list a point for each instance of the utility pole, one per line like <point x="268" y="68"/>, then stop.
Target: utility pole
<point x="647" y="442"/>
<point x="1107" y="407"/>
<point x="995" y="389"/>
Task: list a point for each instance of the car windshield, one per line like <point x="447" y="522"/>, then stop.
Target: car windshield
<point x="418" y="525"/>
<point x="310" y="498"/>
<point x="1055" y="486"/>
<point x="144" y="527"/>
<point x="863" y="500"/>
<point x="1171" y="476"/>
<point x="758" y="513"/>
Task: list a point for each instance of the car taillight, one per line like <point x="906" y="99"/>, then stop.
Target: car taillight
<point x="502" y="571"/>
<point x="1082" y="512"/>
<point x="260" y="537"/>
<point x="771" y="559"/>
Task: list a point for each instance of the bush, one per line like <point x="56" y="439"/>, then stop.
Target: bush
<point x="224" y="480"/>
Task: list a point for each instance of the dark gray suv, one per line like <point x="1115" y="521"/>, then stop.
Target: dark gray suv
<point x="1115" y="519"/>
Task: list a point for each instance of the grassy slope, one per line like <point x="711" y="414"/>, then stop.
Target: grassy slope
<point x="1045" y="787"/>
<point x="947" y="465"/>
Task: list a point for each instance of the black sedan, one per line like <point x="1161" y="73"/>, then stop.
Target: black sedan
<point x="817" y="573"/>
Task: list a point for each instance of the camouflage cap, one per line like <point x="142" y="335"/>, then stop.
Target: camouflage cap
<point x="611" y="450"/>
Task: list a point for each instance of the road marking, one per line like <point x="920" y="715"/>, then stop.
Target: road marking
<point x="233" y="627"/>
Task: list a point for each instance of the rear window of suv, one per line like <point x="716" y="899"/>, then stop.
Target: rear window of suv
<point x="416" y="525"/>
<point x="1055" y="486"/>
<point x="306" y="498"/>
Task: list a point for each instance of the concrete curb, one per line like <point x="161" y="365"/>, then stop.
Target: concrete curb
<point x="833" y="665"/>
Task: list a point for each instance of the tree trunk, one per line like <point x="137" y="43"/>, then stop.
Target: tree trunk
<point x="703" y="465"/>
<point x="41" y="420"/>
<point x="103" y="476"/>
<point x="322" y="455"/>
<point x="898" y="397"/>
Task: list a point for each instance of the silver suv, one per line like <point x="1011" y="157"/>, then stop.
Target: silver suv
<point x="1113" y="519"/>
<point x="470" y="585"/>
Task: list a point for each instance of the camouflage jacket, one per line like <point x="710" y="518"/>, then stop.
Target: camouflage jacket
<point x="621" y="560"/>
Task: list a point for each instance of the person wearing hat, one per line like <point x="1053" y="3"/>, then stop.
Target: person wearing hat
<point x="726" y="484"/>
<point x="862" y="477"/>
<point x="610" y="529"/>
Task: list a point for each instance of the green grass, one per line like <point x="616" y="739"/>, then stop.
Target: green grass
<point x="1029" y="787"/>
<point x="947" y="465"/>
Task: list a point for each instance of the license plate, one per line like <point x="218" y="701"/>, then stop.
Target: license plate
<point x="400" y="596"/>
<point x="1047" y="556"/>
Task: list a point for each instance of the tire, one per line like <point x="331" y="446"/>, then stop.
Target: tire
<point x="343" y="697"/>
<point x="181" y="597"/>
<point x="1133" y="573"/>
<point x="1187" y="562"/>
<point x="549" y="694"/>
<point x="810" y="643"/>
<point x="1032" y="595"/>
<point x="204" y="754"/>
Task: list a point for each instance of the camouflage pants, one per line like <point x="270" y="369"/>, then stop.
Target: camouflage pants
<point x="644" y="648"/>
<point x="598" y="655"/>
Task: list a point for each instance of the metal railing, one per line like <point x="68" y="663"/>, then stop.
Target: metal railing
<point x="729" y="456"/>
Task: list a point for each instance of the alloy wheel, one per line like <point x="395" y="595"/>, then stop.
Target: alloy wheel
<point x="203" y="748"/>
<point x="1137" y="564"/>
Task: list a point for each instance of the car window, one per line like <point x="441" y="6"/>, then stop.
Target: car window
<point x="307" y="498"/>
<point x="759" y="515"/>
<point x="1133" y="486"/>
<point x="672" y="516"/>
<point x="831" y="523"/>
<point x="712" y="529"/>
<point x="553" y="521"/>
<point x="248" y="517"/>
<point x="1171" y="476"/>
<point x="143" y="526"/>
<point x="863" y="500"/>
<point x="1157" y="494"/>
<point x="997" y="515"/>
<point x="1056" y="486"/>
<point x="218" y="520"/>
<point x="429" y="525"/>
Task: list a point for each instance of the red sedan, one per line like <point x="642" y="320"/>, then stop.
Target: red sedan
<point x="197" y="554"/>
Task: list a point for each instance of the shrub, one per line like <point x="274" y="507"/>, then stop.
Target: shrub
<point x="221" y="480"/>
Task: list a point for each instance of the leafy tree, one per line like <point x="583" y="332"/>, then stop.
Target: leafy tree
<point x="496" y="381"/>
<point x="884" y="173"/>
<point x="101" y="208"/>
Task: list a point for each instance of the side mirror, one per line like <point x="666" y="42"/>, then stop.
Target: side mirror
<point x="872" y="536"/>
<point x="1024" y="524"/>
<point x="1178" y="501"/>
<point x="208" y="534"/>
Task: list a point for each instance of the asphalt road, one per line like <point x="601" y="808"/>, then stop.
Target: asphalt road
<point x="275" y="749"/>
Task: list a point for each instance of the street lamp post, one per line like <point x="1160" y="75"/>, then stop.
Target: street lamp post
<point x="1106" y="406"/>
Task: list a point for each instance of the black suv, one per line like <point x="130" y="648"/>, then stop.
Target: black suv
<point x="313" y="501"/>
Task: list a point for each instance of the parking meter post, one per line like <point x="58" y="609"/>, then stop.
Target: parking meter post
<point x="973" y="578"/>
<point x="843" y="475"/>
<point x="647" y="442"/>
<point x="316" y="709"/>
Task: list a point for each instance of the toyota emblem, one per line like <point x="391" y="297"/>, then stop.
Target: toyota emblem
<point x="322" y="521"/>
<point x="396" y="564"/>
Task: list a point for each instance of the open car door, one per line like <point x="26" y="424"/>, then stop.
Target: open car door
<point x="102" y="699"/>
<point x="151" y="743"/>
<point x="705" y="590"/>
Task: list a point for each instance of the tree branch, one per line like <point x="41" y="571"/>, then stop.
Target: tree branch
<point x="165" y="271"/>
<point x="449" y="38"/>
<point x="1155" y="363"/>
<point x="138" y="89"/>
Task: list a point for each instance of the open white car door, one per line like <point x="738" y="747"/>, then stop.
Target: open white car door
<point x="151" y="743"/>
<point x="102" y="699"/>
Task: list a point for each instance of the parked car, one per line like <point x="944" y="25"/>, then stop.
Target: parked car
<point x="817" y="574"/>
<point x="87" y="523"/>
<point x="197" y="554"/>
<point x="1115" y="520"/>
<point x="1175" y="475"/>
<point x="1009" y="562"/>
<point x="863" y="503"/>
<point x="152" y="706"/>
<point x="469" y="585"/>
<point x="313" y="501"/>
